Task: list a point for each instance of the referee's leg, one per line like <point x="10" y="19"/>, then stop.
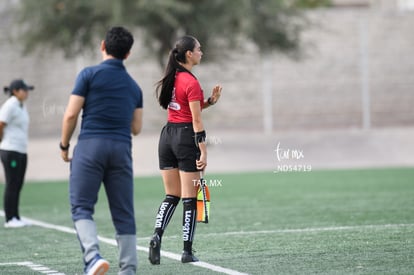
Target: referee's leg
<point x="187" y="153"/>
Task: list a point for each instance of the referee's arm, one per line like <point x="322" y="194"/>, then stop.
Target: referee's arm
<point x="199" y="127"/>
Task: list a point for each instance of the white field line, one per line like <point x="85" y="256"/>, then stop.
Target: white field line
<point x="167" y="254"/>
<point x="299" y="230"/>
<point x="234" y="233"/>
<point x="35" y="267"/>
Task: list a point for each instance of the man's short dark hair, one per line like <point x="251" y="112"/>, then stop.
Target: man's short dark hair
<point x="118" y="42"/>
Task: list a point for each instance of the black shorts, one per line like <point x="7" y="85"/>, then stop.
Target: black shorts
<point x="177" y="148"/>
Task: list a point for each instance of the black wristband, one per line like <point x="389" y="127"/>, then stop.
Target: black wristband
<point x="210" y="102"/>
<point x="64" y="148"/>
<point x="199" y="137"/>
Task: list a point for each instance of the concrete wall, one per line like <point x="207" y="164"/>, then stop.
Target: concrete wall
<point x="321" y="91"/>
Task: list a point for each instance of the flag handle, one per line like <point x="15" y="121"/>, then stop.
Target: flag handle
<point x="203" y="190"/>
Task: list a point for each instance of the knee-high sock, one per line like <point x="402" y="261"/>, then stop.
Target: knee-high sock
<point x="189" y="222"/>
<point x="165" y="213"/>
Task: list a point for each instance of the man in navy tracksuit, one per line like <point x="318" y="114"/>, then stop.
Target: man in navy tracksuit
<point x="111" y="102"/>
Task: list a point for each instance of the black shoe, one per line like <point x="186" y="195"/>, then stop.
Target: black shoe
<point x="188" y="257"/>
<point x="155" y="250"/>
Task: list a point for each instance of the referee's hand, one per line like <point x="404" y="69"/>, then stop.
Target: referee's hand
<point x="202" y="161"/>
<point x="216" y="93"/>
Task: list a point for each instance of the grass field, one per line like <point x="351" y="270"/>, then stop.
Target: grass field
<point x="319" y="222"/>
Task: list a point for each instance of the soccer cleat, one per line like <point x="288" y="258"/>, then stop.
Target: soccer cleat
<point x="188" y="257"/>
<point x="155" y="250"/>
<point x="14" y="223"/>
<point x="97" y="266"/>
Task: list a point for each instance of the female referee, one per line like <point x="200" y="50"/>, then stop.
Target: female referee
<point x="182" y="150"/>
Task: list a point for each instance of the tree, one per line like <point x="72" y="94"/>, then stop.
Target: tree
<point x="74" y="26"/>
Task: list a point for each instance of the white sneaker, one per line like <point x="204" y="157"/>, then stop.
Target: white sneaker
<point x="14" y="223"/>
<point x="26" y="222"/>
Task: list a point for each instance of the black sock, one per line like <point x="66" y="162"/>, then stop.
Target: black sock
<point x="189" y="222"/>
<point x="164" y="214"/>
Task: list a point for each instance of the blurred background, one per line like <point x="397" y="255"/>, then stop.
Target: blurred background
<point x="306" y="83"/>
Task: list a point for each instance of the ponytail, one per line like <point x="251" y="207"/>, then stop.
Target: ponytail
<point x="165" y="86"/>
